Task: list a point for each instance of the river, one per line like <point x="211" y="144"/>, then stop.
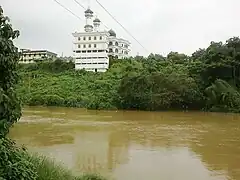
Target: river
<point x="135" y="145"/>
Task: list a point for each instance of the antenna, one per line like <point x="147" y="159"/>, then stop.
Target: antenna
<point x="89" y="3"/>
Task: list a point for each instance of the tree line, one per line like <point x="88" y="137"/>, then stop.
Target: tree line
<point x="207" y="80"/>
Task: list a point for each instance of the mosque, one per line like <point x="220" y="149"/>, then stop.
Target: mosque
<point x="93" y="46"/>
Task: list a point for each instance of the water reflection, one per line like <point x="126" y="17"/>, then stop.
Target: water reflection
<point x="136" y="145"/>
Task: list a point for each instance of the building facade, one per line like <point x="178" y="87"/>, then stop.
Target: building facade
<point x="92" y="49"/>
<point x="118" y="47"/>
<point x="30" y="56"/>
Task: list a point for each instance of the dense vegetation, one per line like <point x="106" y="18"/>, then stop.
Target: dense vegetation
<point x="15" y="162"/>
<point x="207" y="80"/>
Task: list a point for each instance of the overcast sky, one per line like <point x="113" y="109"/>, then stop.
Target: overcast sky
<point x="160" y="25"/>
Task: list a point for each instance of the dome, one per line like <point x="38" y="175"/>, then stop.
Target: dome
<point x="89" y="11"/>
<point x="88" y="26"/>
<point x="97" y="20"/>
<point x="112" y="33"/>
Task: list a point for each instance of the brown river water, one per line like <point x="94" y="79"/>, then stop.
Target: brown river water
<point x="135" y="145"/>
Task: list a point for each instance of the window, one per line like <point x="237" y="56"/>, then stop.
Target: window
<point x="100" y="50"/>
<point x="84" y="46"/>
<point x="100" y="37"/>
<point x="79" y="38"/>
<point x="126" y="52"/>
<point x="116" y="43"/>
<point x="94" y="51"/>
<point x="78" y="51"/>
<point x="89" y="46"/>
<point x="126" y="46"/>
<point x="95" y="38"/>
<point x="110" y="50"/>
<point x="116" y="50"/>
<point x="89" y="51"/>
<point x="89" y="38"/>
<point x="84" y="38"/>
<point x="95" y="45"/>
<point x="110" y="43"/>
<point x="83" y="51"/>
<point x="122" y="45"/>
<point x="79" y="46"/>
<point x="122" y="51"/>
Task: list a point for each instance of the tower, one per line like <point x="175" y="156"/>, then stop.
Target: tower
<point x="88" y="14"/>
<point x="96" y="24"/>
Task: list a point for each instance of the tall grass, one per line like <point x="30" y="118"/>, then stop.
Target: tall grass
<point x="48" y="169"/>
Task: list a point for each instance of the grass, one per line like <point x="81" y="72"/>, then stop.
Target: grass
<point x="48" y="169"/>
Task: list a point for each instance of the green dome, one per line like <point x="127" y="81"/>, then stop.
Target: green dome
<point x="88" y="26"/>
<point x="97" y="20"/>
<point x="89" y="11"/>
<point x="112" y="33"/>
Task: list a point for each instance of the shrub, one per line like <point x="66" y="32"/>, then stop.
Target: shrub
<point x="13" y="165"/>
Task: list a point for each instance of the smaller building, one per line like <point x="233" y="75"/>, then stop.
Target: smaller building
<point x="31" y="56"/>
<point x="118" y="47"/>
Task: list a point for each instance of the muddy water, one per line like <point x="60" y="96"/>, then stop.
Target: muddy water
<point x="136" y="145"/>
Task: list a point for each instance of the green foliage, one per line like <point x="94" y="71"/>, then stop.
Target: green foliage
<point x="48" y="169"/>
<point x="162" y="90"/>
<point x="177" y="82"/>
<point x="223" y="97"/>
<point x="9" y="105"/>
<point x="13" y="165"/>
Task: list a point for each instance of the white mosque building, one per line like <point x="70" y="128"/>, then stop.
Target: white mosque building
<point x="93" y="46"/>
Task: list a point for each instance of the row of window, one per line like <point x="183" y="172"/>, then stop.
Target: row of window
<point x="90" y="46"/>
<point x="95" y="51"/>
<point x="91" y="58"/>
<point x="117" y="51"/>
<point x="89" y="38"/>
<point x="26" y="60"/>
<point x="30" y="60"/>
<point x="89" y="63"/>
<point x="90" y="51"/>
<point x="116" y="44"/>
<point x="30" y="55"/>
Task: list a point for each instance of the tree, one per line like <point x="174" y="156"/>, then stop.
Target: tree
<point x="156" y="57"/>
<point x="10" y="110"/>
<point x="175" y="57"/>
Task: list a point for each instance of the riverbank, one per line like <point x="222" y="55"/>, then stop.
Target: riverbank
<point x="18" y="163"/>
<point x="49" y="169"/>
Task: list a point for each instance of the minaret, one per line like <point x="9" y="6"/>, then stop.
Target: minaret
<point x="96" y="24"/>
<point x="88" y="14"/>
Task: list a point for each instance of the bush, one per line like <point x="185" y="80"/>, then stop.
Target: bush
<point x="48" y="100"/>
<point x="13" y="164"/>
